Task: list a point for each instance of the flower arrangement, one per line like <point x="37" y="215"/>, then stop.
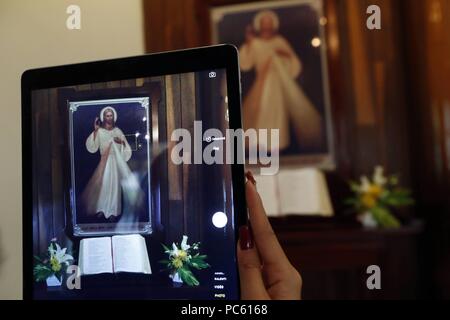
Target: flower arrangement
<point x="54" y="263"/>
<point x="182" y="259"/>
<point x="374" y="199"/>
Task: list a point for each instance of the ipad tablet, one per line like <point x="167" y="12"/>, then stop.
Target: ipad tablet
<point x="126" y="190"/>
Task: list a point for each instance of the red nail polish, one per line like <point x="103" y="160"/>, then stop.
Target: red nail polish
<point x="245" y="238"/>
<point x="250" y="177"/>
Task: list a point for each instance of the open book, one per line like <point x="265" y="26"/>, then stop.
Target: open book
<point x="127" y="253"/>
<point x="295" y="192"/>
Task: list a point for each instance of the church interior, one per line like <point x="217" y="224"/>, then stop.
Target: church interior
<point x="384" y="94"/>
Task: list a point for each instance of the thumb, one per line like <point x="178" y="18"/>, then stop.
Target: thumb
<point x="252" y="284"/>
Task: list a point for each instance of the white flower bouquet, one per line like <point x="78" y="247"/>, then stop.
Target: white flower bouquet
<point x="375" y="198"/>
<point x="53" y="263"/>
<point x="182" y="259"/>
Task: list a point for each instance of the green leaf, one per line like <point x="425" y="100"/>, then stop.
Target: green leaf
<point x="384" y="218"/>
<point x="398" y="198"/>
<point x="199" y="259"/>
<point x="398" y="202"/>
<point x="355" y="187"/>
<point x="41" y="272"/>
<point x="165" y="247"/>
<point x="188" y="277"/>
<point x="393" y="180"/>
<point x="350" y="202"/>
<point x="200" y="265"/>
<point x="401" y="193"/>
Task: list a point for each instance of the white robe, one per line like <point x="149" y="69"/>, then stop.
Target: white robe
<point x="104" y="190"/>
<point x="275" y="100"/>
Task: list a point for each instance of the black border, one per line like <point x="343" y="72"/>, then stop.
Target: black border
<point x="150" y="65"/>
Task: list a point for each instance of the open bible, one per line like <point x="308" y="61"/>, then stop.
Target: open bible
<point x="124" y="253"/>
<point x="295" y="192"/>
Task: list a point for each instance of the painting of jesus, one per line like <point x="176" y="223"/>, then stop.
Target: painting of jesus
<point x="110" y="156"/>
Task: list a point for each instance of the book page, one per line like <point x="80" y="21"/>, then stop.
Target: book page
<point x="304" y="192"/>
<point x="130" y="254"/>
<point x="268" y="192"/>
<point x="95" y="256"/>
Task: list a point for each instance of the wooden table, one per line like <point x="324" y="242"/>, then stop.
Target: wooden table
<point x="333" y="257"/>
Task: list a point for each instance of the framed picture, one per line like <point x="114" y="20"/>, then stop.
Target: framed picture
<point x="284" y="74"/>
<point x="110" y="166"/>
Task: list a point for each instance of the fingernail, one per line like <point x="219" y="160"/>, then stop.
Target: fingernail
<point x="250" y="177"/>
<point x="245" y="238"/>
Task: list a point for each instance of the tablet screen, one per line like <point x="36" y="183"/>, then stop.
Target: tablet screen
<point x="130" y="197"/>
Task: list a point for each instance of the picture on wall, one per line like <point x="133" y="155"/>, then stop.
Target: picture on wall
<point x="110" y="173"/>
<point x="283" y="63"/>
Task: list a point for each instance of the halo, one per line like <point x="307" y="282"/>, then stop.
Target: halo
<point x="259" y="15"/>
<point x="110" y="108"/>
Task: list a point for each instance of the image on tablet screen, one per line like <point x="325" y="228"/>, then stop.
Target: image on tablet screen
<point x="113" y="215"/>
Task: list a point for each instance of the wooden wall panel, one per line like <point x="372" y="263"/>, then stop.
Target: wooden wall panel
<point x="44" y="197"/>
<point x="377" y="126"/>
<point x="427" y="41"/>
<point x="173" y="122"/>
<point x="191" y="172"/>
<point x="174" y="24"/>
<point x="183" y="180"/>
<point x="174" y="172"/>
<point x="57" y="183"/>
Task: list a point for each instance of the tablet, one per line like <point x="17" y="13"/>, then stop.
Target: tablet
<point x="126" y="193"/>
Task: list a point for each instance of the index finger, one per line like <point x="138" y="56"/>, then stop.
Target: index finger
<point x="268" y="246"/>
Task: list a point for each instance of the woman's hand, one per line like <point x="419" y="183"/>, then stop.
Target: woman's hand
<point x="265" y="271"/>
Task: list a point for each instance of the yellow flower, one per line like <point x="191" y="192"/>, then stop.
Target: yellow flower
<point x="182" y="254"/>
<point x="375" y="190"/>
<point x="56" y="266"/>
<point x="368" y="200"/>
<point x="177" y="263"/>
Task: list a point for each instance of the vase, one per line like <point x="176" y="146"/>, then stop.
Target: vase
<point x="53" y="281"/>
<point x="176" y="279"/>
<point x="367" y="220"/>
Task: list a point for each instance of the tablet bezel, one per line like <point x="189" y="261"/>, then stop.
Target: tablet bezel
<point x="150" y="65"/>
